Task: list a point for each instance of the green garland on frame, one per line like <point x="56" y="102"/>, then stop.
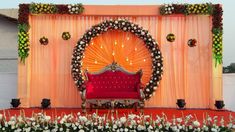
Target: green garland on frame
<point x="23" y="41"/>
<point x="215" y="10"/>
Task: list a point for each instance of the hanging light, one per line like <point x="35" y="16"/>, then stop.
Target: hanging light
<point x="144" y="60"/>
<point x="92" y="43"/>
<point x="113" y="53"/>
<point x="115" y="42"/>
<point x="127" y="59"/>
<point x="127" y="38"/>
<point x="101" y="47"/>
<point x="135" y="49"/>
<point x="122" y="45"/>
<point x="96" y="62"/>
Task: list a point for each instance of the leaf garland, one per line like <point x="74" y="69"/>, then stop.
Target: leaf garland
<point x="39" y="8"/>
<point x="23" y="42"/>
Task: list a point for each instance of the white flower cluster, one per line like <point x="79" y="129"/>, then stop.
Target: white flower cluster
<point x="75" y="8"/>
<point x="94" y="123"/>
<point x="168" y="9"/>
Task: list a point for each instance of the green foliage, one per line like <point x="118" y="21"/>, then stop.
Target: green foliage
<point x="23" y="45"/>
<point x="39" y="8"/>
<point x="217" y="46"/>
<point x="23" y="27"/>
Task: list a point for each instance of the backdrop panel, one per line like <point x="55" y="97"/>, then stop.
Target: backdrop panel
<point x="187" y="71"/>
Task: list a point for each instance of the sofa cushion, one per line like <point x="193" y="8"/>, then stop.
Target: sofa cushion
<point x="113" y="82"/>
<point x="112" y="95"/>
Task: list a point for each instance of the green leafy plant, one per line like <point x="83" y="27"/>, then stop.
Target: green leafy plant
<point x="39" y="8"/>
<point x="23" y="42"/>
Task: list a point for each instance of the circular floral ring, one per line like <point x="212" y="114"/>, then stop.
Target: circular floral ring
<point x="120" y="24"/>
<point x="66" y="35"/>
<point x="44" y="40"/>
<point x="192" y="42"/>
<point x="170" y="37"/>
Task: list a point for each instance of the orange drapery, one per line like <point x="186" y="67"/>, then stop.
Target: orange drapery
<point x="118" y="46"/>
<point x="187" y="71"/>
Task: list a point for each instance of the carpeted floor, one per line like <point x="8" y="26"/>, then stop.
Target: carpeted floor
<point x="169" y="112"/>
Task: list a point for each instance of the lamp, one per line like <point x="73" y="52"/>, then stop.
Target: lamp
<point x="219" y="104"/>
<point x="45" y="103"/>
<point x="15" y="103"/>
<point x="181" y="103"/>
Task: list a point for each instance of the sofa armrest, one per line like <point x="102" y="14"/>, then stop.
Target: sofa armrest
<point x="89" y="87"/>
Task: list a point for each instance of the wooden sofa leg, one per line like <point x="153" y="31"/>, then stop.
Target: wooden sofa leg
<point x="91" y="107"/>
<point x="136" y="106"/>
<point x="141" y="107"/>
<point x="84" y="106"/>
<point x="112" y="106"/>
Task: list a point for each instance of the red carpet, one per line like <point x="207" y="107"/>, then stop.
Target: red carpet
<point x="169" y="112"/>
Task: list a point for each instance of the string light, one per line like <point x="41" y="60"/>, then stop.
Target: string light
<point x="101" y="47"/>
<point x="127" y="38"/>
<point x="144" y="60"/>
<point x="130" y="62"/>
<point x="115" y="42"/>
<point x="113" y="53"/>
<point x="122" y="45"/>
<point x="96" y="62"/>
<point x="135" y="49"/>
<point x="127" y="59"/>
<point x="92" y="43"/>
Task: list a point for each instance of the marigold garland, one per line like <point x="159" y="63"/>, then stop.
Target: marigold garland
<point x="23" y="42"/>
<point x="39" y="8"/>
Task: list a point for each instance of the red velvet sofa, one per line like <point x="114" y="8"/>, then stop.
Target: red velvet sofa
<point x="113" y="84"/>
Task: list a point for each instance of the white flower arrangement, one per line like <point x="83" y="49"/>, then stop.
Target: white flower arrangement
<point x="75" y="8"/>
<point x="132" y="122"/>
<point x="168" y="9"/>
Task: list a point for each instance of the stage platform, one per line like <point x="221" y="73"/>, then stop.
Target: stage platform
<point x="199" y="114"/>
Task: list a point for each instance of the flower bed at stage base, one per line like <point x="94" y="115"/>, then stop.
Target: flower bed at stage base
<point x="41" y="122"/>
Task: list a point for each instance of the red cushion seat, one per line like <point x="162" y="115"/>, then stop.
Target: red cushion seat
<point x="113" y="95"/>
<point x="113" y="85"/>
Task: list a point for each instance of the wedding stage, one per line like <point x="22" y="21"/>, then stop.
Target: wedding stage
<point x="144" y="68"/>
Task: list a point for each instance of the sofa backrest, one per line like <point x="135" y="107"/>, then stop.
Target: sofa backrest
<point x="114" y="81"/>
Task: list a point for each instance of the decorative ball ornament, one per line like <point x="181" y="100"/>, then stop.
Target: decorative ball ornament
<point x="124" y="25"/>
<point x="192" y="42"/>
<point x="170" y="37"/>
<point x="66" y="35"/>
<point x="44" y="40"/>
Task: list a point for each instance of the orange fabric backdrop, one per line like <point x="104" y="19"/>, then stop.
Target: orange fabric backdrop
<point x="187" y="71"/>
<point x="118" y="46"/>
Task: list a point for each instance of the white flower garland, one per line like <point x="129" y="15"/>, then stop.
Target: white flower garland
<point x="168" y="9"/>
<point x="75" y="8"/>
